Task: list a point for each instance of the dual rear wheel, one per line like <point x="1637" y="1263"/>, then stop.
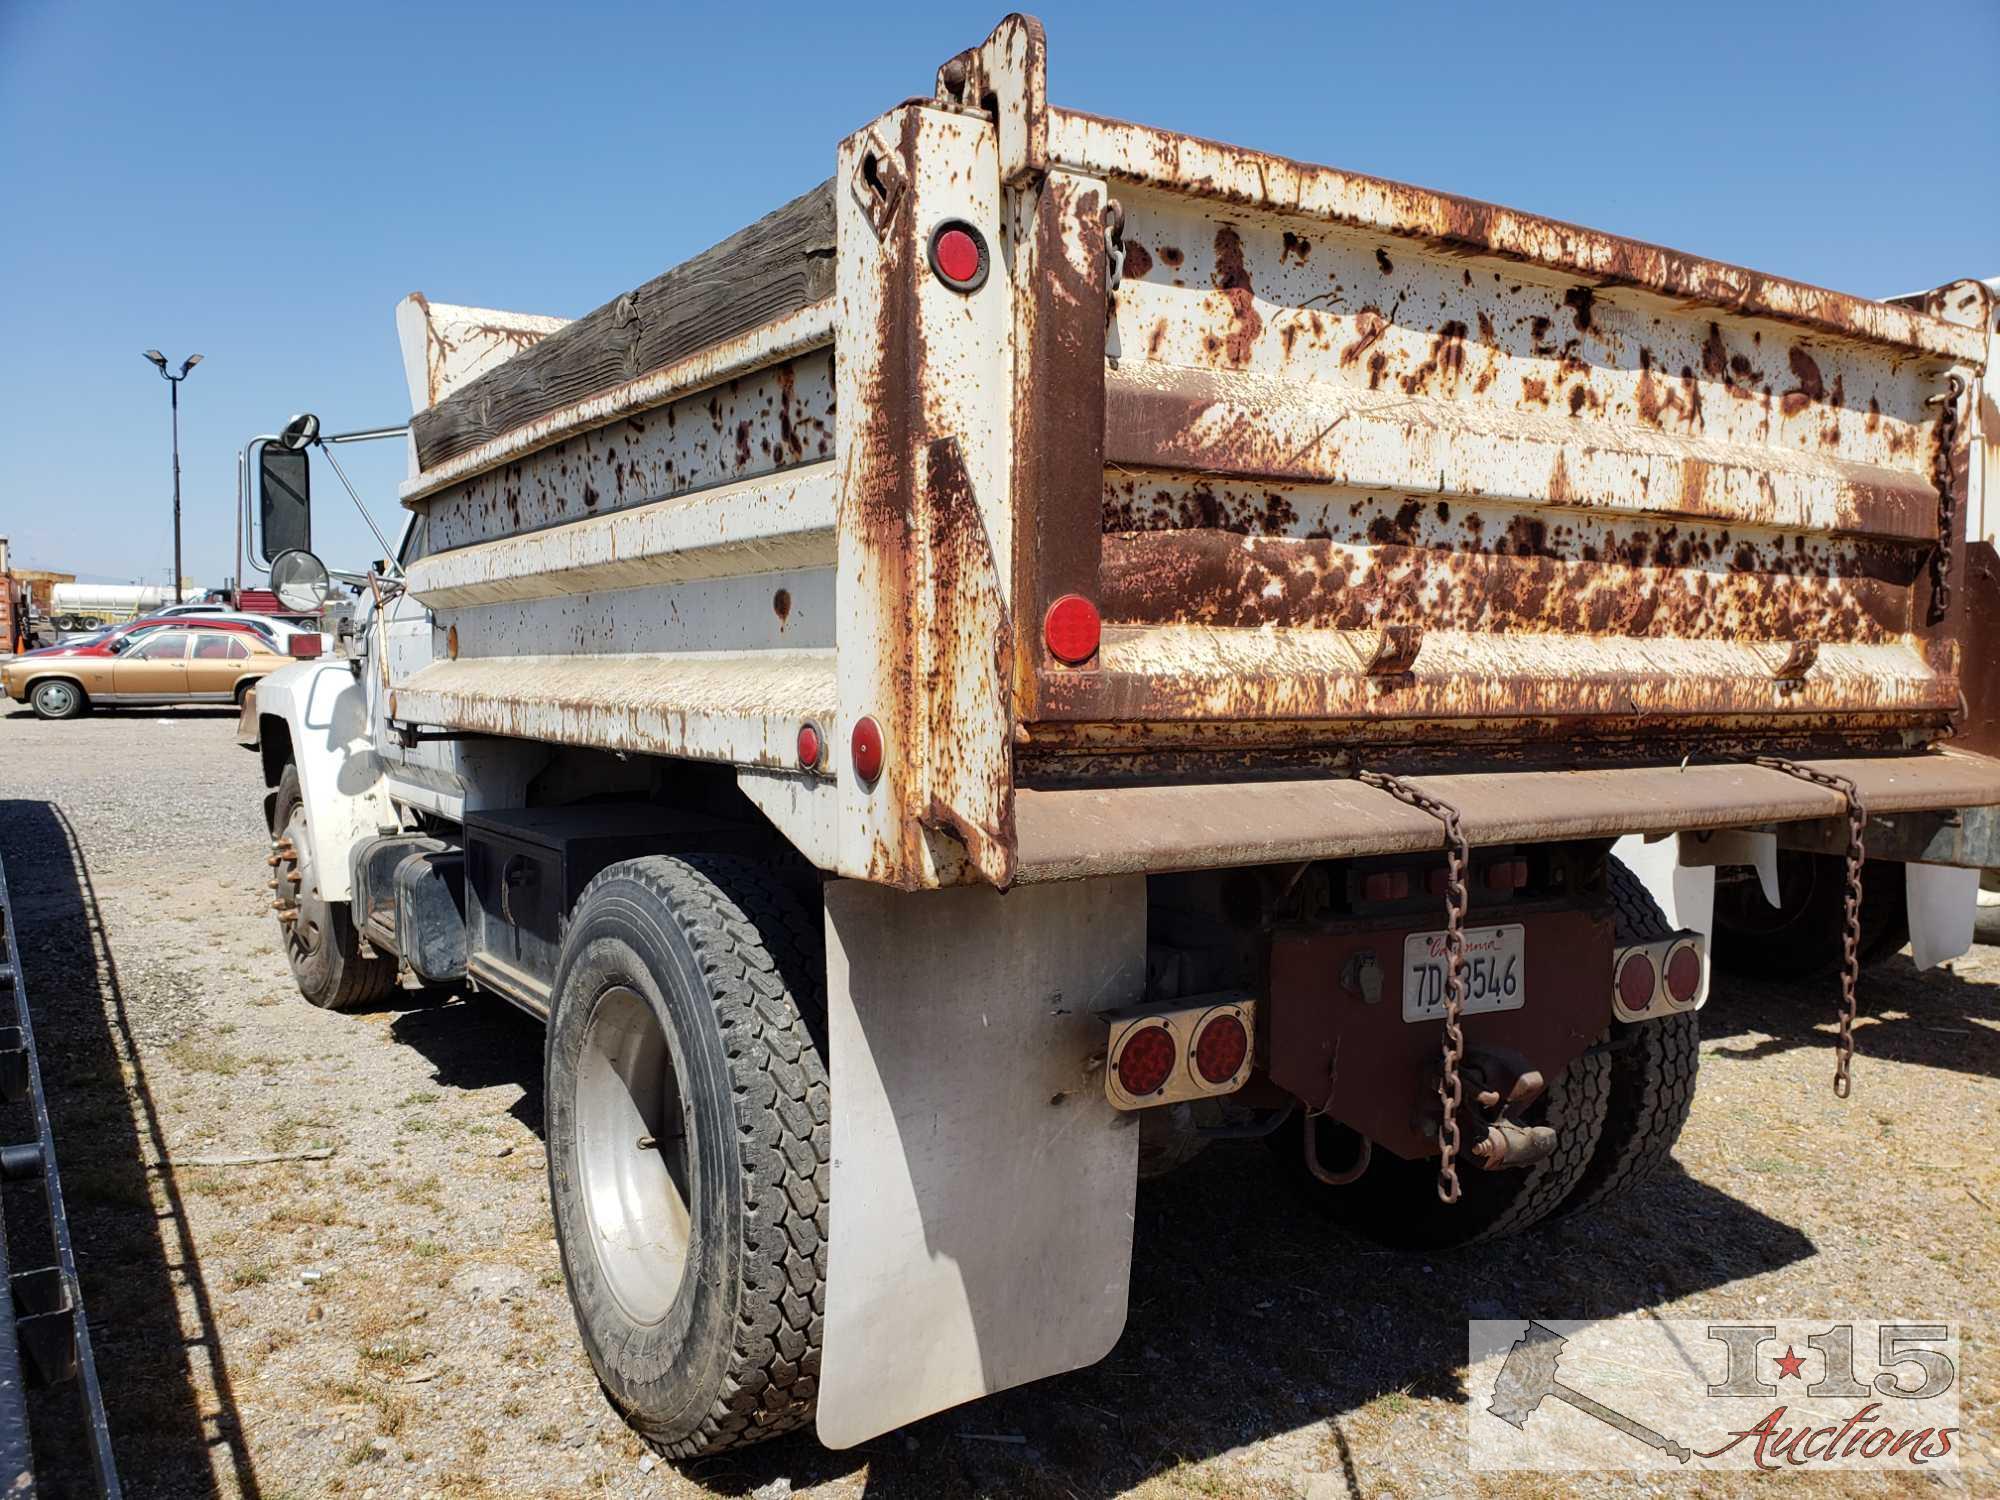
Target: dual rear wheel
<point x="1617" y="1111"/>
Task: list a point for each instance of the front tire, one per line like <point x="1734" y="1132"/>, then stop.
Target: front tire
<point x="58" y="698"/>
<point x="689" y="1147"/>
<point x="319" y="937"/>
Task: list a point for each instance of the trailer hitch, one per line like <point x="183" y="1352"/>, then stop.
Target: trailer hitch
<point x="1509" y="1142"/>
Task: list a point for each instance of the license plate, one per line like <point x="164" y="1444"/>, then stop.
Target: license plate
<point x="1495" y="971"/>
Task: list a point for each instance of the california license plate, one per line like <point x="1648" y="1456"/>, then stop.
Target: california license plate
<point x="1495" y="971"/>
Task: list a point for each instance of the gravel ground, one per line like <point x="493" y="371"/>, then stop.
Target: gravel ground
<point x="389" y="1320"/>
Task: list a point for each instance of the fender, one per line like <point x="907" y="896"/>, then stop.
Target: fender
<point x="321" y="712"/>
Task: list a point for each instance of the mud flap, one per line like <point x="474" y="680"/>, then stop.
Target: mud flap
<point x="1944" y="906"/>
<point x="1686" y="893"/>
<point x="982" y="1184"/>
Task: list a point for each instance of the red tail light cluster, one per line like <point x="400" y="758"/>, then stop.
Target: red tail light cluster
<point x="1194" y="1049"/>
<point x="1660" y="977"/>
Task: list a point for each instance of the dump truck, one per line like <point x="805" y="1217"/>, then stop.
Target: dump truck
<point x="1070" y="641"/>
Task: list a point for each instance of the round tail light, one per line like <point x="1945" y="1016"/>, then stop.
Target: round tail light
<point x="958" y="255"/>
<point x="865" y="750"/>
<point x="1072" y="629"/>
<point x="1684" y="974"/>
<point x="1637" y="982"/>
<point x="1146" y="1061"/>
<point x="1220" y="1047"/>
<point x="809" y="745"/>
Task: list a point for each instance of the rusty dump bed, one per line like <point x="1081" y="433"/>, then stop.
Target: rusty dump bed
<point x="1381" y="465"/>
<point x="1354" y="474"/>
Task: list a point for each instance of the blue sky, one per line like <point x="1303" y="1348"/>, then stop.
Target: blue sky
<point x="262" y="183"/>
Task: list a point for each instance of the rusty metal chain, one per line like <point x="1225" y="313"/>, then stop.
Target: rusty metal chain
<point x="1947" y="517"/>
<point x="1451" y="1088"/>
<point x="1850" y="960"/>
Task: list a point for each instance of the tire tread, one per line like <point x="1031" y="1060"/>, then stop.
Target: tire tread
<point x="760" y="953"/>
<point x="1652" y="1071"/>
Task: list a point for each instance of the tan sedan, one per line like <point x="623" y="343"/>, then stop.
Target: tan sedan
<point x="168" y="666"/>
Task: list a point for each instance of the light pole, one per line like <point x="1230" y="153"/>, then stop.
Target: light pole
<point x="174" y="383"/>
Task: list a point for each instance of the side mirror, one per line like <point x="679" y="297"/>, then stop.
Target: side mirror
<point x="299" y="580"/>
<point x="284" y="499"/>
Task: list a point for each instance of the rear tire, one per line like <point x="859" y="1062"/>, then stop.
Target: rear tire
<point x="1801" y="937"/>
<point x="319" y="939"/>
<point x="689" y="1147"/>
<point x="1653" y="1067"/>
<point x="58" y="698"/>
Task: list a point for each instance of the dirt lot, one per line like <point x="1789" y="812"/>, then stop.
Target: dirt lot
<point x="389" y="1320"/>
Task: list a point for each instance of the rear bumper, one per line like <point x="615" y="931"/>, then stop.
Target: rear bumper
<point x="1068" y="834"/>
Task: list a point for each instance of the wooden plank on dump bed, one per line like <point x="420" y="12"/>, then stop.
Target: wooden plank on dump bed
<point x="781" y="263"/>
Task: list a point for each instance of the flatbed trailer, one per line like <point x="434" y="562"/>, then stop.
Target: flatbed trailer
<point x="1067" y="640"/>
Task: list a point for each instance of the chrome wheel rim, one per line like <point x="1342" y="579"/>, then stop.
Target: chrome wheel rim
<point x="632" y="1155"/>
<point x="56" y="697"/>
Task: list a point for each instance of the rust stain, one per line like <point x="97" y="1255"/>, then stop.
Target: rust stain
<point x="1446" y="360"/>
<point x="1216" y="554"/>
<point x="1369" y="326"/>
<point x="1810" y="387"/>
<point x="1232" y="279"/>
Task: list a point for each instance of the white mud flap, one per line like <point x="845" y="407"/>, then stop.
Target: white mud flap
<point x="982" y="1184"/>
<point x="1736" y="846"/>
<point x="1944" y="904"/>
<point x="1686" y="893"/>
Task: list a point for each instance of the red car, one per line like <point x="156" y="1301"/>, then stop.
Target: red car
<point x="112" y="641"/>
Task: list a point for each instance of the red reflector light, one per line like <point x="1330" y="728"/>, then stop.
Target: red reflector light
<point x="958" y="255"/>
<point x="1636" y="982"/>
<point x="304" y="647"/>
<point x="865" y="750"/>
<point x="1384" y="885"/>
<point x="1220" y="1049"/>
<point x="1506" y="875"/>
<point x="1146" y="1061"/>
<point x="1072" y="628"/>
<point x="809" y="745"/>
<point x="1684" y="973"/>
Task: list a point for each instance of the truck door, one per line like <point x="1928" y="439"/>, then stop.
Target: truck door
<point x="155" y="668"/>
